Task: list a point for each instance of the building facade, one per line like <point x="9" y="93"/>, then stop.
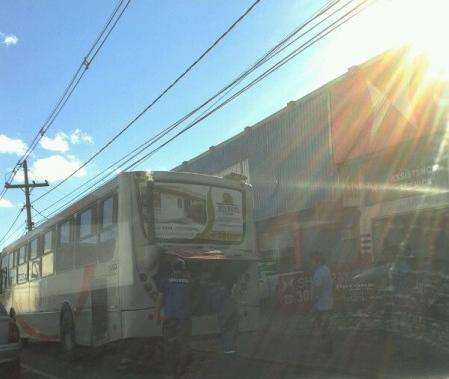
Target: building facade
<point x="327" y="168"/>
<point x="287" y="158"/>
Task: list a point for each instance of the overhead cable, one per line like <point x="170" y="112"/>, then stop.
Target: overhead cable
<point x="330" y="28"/>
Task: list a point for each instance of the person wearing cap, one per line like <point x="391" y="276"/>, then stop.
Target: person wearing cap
<point x="322" y="298"/>
<point x="175" y="298"/>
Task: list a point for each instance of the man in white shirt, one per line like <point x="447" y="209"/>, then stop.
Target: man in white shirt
<point x="322" y="299"/>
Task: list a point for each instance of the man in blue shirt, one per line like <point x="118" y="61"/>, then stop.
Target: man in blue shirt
<point x="322" y="299"/>
<point x="175" y="297"/>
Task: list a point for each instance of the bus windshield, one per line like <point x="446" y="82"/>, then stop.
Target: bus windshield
<point x="197" y="213"/>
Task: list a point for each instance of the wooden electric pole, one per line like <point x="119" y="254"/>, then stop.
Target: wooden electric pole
<point x="26" y="186"/>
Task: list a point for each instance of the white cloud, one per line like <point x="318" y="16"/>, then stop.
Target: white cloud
<point x="79" y="136"/>
<point x="12" y="145"/>
<point x="53" y="168"/>
<point x="10" y="39"/>
<point x="58" y="143"/>
<point x="61" y="141"/>
<point x="5" y="203"/>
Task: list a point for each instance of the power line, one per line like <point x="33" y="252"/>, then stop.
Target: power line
<point x="268" y="55"/>
<point x="12" y="225"/>
<point x="338" y="23"/>
<point x="20" y="227"/>
<point x="16" y="232"/>
<point x="72" y="85"/>
<point x="133" y="157"/>
<point x="83" y="66"/>
<point x="38" y="212"/>
<point x="330" y="28"/>
<point x="154" y="101"/>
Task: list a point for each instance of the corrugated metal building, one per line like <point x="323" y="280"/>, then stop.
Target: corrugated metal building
<point x="287" y="157"/>
<point x="323" y="167"/>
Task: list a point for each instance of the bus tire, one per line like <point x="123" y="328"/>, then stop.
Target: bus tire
<point x="67" y="332"/>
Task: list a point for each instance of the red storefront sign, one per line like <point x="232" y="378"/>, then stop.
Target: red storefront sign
<point x="294" y="291"/>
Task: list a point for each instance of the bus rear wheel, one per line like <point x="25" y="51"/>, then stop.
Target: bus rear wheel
<point x="67" y="334"/>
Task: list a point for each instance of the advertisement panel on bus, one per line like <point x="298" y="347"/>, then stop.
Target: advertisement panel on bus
<point x="197" y="212"/>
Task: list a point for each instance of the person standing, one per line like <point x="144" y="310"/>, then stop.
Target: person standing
<point x="225" y="307"/>
<point x="400" y="271"/>
<point x="175" y="298"/>
<point x="322" y="299"/>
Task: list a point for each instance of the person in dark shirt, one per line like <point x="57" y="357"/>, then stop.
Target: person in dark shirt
<point x="175" y="298"/>
<point x="225" y="307"/>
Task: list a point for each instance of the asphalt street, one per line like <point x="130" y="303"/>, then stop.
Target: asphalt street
<point x="44" y="361"/>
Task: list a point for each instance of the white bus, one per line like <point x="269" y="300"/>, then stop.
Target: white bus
<point x="86" y="276"/>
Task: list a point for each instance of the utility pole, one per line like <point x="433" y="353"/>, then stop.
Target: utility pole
<point x="26" y="186"/>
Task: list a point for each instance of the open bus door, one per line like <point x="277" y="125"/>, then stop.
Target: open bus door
<point x="212" y="268"/>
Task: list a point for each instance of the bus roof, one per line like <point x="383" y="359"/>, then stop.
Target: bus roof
<point x="190" y="177"/>
<point x="103" y="190"/>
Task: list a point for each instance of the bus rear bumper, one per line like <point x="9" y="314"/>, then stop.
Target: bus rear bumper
<point x="141" y="323"/>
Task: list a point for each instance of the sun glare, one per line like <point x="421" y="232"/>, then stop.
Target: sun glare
<point x="422" y="25"/>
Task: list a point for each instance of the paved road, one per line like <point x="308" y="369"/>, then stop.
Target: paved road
<point x="44" y="361"/>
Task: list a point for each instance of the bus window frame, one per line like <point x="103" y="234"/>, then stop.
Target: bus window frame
<point x="23" y="264"/>
<point x="101" y="227"/>
<point x="15" y="254"/>
<point x="25" y="246"/>
<point x="48" y="252"/>
<point x="30" y="244"/>
<point x="51" y="230"/>
<point x="12" y="268"/>
<point x="101" y="202"/>
<point x="105" y="251"/>
<point x="71" y="245"/>
<point x="4" y="273"/>
<point x="37" y="258"/>
<point x="93" y="207"/>
<point x="94" y="222"/>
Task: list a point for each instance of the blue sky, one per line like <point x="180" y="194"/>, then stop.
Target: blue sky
<point x="42" y="43"/>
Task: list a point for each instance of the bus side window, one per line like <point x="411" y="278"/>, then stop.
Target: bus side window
<point x="87" y="237"/>
<point x="35" y="259"/>
<point x="4" y="272"/>
<point x="12" y="271"/>
<point x="108" y="228"/>
<point x="47" y="253"/>
<point x="22" y="268"/>
<point x="64" y="256"/>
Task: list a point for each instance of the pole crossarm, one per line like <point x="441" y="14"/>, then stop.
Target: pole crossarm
<point x="27" y="185"/>
<point x="31" y="185"/>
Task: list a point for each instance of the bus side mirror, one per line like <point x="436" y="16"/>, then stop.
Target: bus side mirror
<point x="12" y="314"/>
